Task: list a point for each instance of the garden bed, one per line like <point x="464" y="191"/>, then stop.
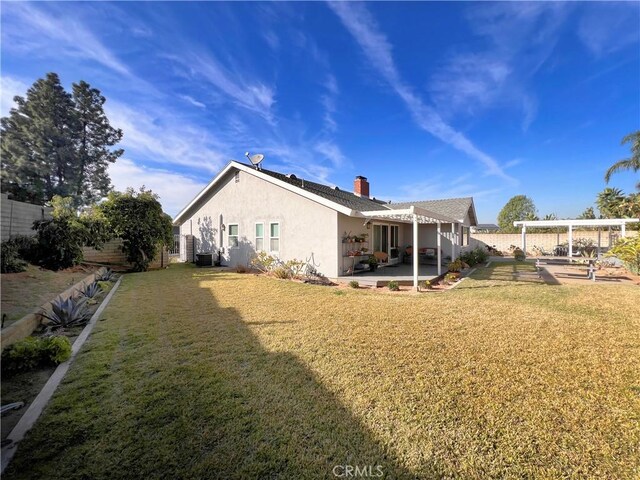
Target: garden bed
<point x="25" y="386"/>
<point x="24" y="292"/>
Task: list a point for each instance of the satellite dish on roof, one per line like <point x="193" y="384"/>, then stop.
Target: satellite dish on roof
<point x="255" y="159"/>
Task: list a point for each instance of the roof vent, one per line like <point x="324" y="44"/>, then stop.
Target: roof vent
<point x="291" y="176"/>
<point x="336" y="188"/>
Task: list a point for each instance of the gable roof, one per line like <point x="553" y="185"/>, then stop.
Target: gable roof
<point x="340" y="200"/>
<point x="334" y="194"/>
<point x="457" y="208"/>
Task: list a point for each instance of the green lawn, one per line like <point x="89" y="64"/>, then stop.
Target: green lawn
<point x="197" y="374"/>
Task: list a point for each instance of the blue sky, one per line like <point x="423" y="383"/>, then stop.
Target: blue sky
<point x="427" y="100"/>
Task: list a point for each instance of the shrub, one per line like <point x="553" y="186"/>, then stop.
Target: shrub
<point x="33" y="352"/>
<point x="456" y="266"/>
<point x="427" y="285"/>
<point x="354" y="284"/>
<point x="627" y="250"/>
<point x="281" y="272"/>
<point x="21" y="356"/>
<point x="26" y="247"/>
<point x="450" y="278"/>
<point x="11" y="261"/>
<point x="475" y="256"/>
<point x="56" y="349"/>
<point x="296" y="267"/>
<point x="518" y="254"/>
<point x="263" y="262"/>
<point x="67" y="313"/>
<point x="393" y="286"/>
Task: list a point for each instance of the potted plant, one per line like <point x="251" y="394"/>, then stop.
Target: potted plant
<point x="373" y="263"/>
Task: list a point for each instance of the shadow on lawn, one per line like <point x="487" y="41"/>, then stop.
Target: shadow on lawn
<point x="164" y="395"/>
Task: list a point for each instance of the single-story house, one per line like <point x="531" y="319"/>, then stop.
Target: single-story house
<point x="245" y="209"/>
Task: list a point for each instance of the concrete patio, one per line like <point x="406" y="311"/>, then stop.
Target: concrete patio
<point x="401" y="273"/>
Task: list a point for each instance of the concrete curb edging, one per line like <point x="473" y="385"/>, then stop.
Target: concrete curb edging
<point x="35" y="409"/>
<point x="25" y="326"/>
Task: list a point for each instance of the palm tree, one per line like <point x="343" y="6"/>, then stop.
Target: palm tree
<point x="609" y="201"/>
<point x="631" y="163"/>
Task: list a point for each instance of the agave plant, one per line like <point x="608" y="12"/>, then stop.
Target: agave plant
<point x="107" y="276"/>
<point x="91" y="290"/>
<point x="67" y="313"/>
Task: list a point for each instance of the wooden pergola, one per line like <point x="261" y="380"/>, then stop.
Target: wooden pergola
<point x="598" y="223"/>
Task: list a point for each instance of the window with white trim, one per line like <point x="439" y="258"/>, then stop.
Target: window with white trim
<point x="259" y="237"/>
<point x="233" y="235"/>
<point x="274" y="237"/>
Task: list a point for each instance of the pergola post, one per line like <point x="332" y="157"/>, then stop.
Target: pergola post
<point x="624" y="230"/>
<point x="439" y="244"/>
<point x="524" y="240"/>
<point x="453" y="242"/>
<point x="599" y="241"/>
<point x="415" y="252"/>
<point x="570" y="242"/>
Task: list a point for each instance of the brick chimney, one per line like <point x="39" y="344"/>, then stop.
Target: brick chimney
<point x="361" y="186"/>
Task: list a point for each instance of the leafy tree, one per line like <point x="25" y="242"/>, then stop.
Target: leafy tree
<point x="631" y="163"/>
<point x="56" y="143"/>
<point x="137" y="218"/>
<point x="59" y="240"/>
<point x="628" y="250"/>
<point x="517" y="208"/>
<point x="588" y="214"/>
<point x="608" y="202"/>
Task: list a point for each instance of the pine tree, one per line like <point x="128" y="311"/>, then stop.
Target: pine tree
<point x="55" y="143"/>
<point x="93" y="138"/>
<point x="36" y="145"/>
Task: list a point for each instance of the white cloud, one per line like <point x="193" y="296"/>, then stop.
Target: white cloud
<point x="330" y="151"/>
<point x="193" y="101"/>
<point x="164" y="139"/>
<point x="441" y="187"/>
<point x="175" y="190"/>
<point x="252" y="95"/>
<point x="607" y="27"/>
<point x="33" y="29"/>
<point x="329" y="103"/>
<point x="10" y="87"/>
<point x="378" y="50"/>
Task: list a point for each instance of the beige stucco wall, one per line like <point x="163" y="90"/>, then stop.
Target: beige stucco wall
<point x="306" y="227"/>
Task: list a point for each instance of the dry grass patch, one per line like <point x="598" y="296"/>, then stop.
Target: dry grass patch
<point x="198" y="374"/>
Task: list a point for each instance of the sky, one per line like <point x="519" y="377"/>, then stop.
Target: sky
<point x="427" y="100"/>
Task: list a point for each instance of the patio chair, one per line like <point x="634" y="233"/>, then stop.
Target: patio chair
<point x="381" y="256"/>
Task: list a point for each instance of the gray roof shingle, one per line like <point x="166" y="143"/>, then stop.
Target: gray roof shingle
<point x="341" y="197"/>
<point x="451" y="207"/>
<point x="456" y="208"/>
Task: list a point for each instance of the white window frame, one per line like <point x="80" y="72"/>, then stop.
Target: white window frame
<point x="271" y="238"/>
<point x="229" y="236"/>
<point x="256" y="237"/>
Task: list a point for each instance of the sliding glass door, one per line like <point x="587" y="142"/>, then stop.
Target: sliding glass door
<point x="385" y="239"/>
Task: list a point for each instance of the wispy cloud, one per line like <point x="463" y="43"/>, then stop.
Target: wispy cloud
<point x="329" y="103"/>
<point x="166" y="140"/>
<point x="33" y="29"/>
<point x="193" y="101"/>
<point x="441" y="187"/>
<point x="378" y="50"/>
<point x="173" y="188"/>
<point x="9" y="88"/>
<point x="518" y="39"/>
<point x="252" y="95"/>
<point x="330" y="151"/>
<point x="607" y="27"/>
